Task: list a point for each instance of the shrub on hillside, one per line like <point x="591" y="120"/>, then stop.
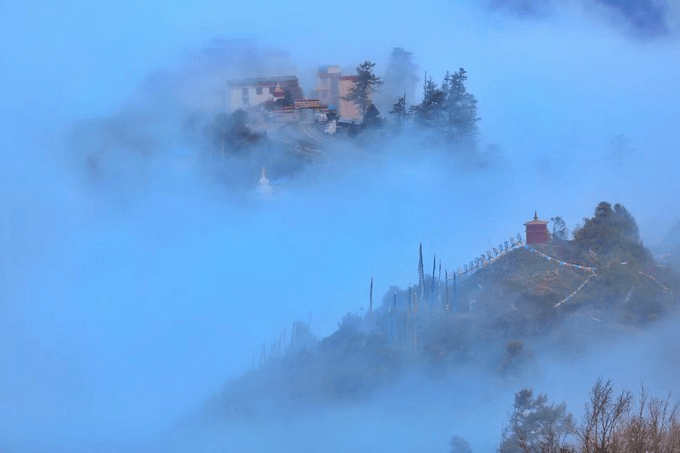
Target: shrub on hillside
<point x="612" y="232"/>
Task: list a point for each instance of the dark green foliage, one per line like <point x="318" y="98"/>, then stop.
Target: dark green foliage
<point x="625" y="283"/>
<point x="559" y="228"/>
<point x="460" y="107"/>
<point x="230" y="132"/>
<point x="610" y="230"/>
<point x="366" y="83"/>
<point x="372" y="118"/>
<point x="430" y="111"/>
<point x="399" y="110"/>
<point x="535" y="426"/>
<point x="399" y="107"/>
<point x="449" y="111"/>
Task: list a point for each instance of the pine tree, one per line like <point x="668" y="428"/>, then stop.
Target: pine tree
<point x="366" y="83"/>
<point x="372" y="118"/>
<point x="399" y="110"/>
<point x="430" y="111"/>
<point x="460" y="107"/>
<point x="399" y="107"/>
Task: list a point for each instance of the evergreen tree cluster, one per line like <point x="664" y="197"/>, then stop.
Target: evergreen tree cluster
<point x="535" y="425"/>
<point x="448" y="110"/>
<point x="612" y="231"/>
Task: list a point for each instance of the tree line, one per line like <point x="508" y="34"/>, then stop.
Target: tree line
<point x="446" y="111"/>
<point x="612" y="422"/>
<point x="449" y="110"/>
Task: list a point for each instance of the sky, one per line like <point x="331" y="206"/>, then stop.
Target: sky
<point x="124" y="305"/>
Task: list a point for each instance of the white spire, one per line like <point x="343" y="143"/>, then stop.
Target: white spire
<point x="264" y="189"/>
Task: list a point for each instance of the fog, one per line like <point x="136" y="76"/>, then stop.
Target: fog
<point x="133" y="290"/>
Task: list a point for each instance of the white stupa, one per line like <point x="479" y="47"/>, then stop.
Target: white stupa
<point x="264" y="189"/>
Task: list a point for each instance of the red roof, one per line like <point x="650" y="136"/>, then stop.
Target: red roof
<point x="536" y="221"/>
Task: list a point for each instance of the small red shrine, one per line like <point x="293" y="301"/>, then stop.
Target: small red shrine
<point x="537" y="231"/>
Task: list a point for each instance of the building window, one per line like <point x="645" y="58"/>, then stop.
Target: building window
<point x="258" y="90"/>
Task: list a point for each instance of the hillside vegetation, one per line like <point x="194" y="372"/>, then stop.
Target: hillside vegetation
<point x="559" y="295"/>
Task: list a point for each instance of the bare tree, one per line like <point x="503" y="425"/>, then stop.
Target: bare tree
<point x="634" y="433"/>
<point x="653" y="428"/>
<point x="605" y="414"/>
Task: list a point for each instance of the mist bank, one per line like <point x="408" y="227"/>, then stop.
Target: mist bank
<point x="179" y="271"/>
<point x="139" y="272"/>
<point x="427" y="352"/>
<point x="421" y="411"/>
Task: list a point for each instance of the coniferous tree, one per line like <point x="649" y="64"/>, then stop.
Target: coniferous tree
<point x="366" y="83"/>
<point x="610" y="228"/>
<point x="399" y="110"/>
<point x="430" y="111"/>
<point x="461" y="108"/>
<point x="536" y="426"/>
<point x="449" y="111"/>
<point x="372" y="118"/>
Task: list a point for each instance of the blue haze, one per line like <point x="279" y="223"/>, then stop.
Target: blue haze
<point x="124" y="306"/>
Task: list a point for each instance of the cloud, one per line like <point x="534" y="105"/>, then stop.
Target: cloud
<point x="641" y="19"/>
<point x="130" y="297"/>
<point x="645" y="18"/>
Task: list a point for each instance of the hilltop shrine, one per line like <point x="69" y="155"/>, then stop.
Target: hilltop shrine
<point x="537" y="231"/>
